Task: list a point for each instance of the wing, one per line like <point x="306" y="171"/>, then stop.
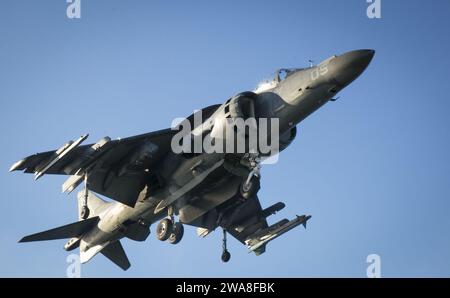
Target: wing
<point x="247" y="222"/>
<point x="67" y="165"/>
<point x="245" y="219"/>
<point x="118" y="169"/>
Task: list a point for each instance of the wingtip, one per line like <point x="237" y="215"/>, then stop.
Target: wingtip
<point x="16" y="165"/>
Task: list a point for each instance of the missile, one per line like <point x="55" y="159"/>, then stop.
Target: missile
<point x="59" y="154"/>
<point x="83" y="164"/>
<point x="256" y="242"/>
<point x="88" y="156"/>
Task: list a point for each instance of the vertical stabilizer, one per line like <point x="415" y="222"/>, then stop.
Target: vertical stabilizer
<point x="116" y="254"/>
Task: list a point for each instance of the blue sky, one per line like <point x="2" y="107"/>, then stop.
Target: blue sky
<point x="372" y="169"/>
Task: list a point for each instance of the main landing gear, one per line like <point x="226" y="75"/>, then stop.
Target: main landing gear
<point x="170" y="230"/>
<point x="226" y="256"/>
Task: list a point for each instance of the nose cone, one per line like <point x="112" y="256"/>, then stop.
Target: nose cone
<point x="349" y="66"/>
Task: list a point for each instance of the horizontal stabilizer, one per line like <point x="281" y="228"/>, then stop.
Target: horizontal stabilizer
<point x="116" y="254"/>
<point x="75" y="229"/>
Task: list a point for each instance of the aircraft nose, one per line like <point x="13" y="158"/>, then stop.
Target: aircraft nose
<point x="351" y="64"/>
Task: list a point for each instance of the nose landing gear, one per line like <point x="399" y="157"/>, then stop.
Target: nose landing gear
<point x="251" y="185"/>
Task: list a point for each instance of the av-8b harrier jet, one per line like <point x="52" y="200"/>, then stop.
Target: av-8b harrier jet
<point x="149" y="179"/>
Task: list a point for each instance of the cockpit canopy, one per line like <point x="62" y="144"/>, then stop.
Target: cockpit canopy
<point x="282" y="73"/>
<point x="279" y="76"/>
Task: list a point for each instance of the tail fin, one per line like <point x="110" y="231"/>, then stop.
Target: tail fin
<point x="75" y="229"/>
<point x="116" y="254"/>
<point x="95" y="204"/>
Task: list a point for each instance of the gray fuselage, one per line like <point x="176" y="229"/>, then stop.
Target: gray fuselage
<point x="290" y="100"/>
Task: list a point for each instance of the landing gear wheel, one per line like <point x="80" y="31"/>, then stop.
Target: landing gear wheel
<point x="250" y="189"/>
<point x="226" y="256"/>
<point x="84" y="214"/>
<point x="177" y="233"/>
<point x="164" y="229"/>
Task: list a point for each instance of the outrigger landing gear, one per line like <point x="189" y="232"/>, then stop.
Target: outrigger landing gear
<point x="225" y="253"/>
<point x="168" y="229"/>
<point x="84" y="214"/>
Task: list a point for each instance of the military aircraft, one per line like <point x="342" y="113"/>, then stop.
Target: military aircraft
<point x="147" y="181"/>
